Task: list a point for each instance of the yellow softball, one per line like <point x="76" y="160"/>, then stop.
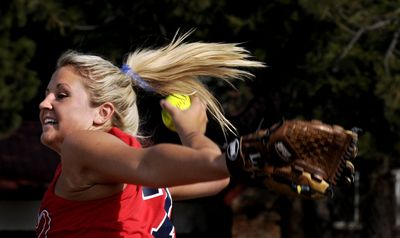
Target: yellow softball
<point x="178" y="100"/>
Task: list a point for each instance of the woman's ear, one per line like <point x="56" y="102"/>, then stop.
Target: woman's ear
<point x="104" y="113"/>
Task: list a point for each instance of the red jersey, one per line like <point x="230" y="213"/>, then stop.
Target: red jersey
<point x="136" y="211"/>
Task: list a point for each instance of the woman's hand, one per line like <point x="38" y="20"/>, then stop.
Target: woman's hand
<point x="189" y="122"/>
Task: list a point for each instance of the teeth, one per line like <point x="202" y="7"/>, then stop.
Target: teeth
<point x="49" y="121"/>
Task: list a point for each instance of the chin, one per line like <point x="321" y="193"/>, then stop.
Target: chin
<point x="49" y="141"/>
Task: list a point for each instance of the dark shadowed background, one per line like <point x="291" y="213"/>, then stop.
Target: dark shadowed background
<point x="336" y="61"/>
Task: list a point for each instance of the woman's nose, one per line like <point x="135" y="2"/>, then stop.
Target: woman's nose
<point x="46" y="103"/>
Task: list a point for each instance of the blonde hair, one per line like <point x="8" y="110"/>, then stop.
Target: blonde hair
<point x="175" y="68"/>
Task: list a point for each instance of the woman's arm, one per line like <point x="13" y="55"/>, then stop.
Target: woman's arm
<point x="99" y="157"/>
<point x="190" y="135"/>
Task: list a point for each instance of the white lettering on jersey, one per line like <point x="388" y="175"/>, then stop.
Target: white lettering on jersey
<point x="43" y="224"/>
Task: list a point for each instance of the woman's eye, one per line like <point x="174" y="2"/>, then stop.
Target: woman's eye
<point x="61" y="95"/>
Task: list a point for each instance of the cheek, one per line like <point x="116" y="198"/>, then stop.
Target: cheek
<point x="81" y="116"/>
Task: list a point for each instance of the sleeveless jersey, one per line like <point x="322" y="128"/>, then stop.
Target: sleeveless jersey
<point x="135" y="212"/>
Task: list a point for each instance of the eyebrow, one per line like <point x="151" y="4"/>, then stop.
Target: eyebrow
<point x="60" y="85"/>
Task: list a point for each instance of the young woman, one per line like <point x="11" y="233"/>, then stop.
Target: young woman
<point x="106" y="184"/>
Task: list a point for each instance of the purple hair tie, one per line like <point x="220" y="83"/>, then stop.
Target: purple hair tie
<point x="136" y="78"/>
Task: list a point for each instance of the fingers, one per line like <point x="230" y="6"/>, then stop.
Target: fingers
<point x="172" y="110"/>
<point x="201" y="108"/>
<point x="193" y="118"/>
<point x="196" y="104"/>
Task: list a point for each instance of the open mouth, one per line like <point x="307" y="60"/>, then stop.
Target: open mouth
<point x="50" y="121"/>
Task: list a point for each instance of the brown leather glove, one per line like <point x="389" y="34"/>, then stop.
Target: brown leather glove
<point x="300" y="158"/>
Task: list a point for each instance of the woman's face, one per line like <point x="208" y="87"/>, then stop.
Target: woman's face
<point x="65" y="108"/>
